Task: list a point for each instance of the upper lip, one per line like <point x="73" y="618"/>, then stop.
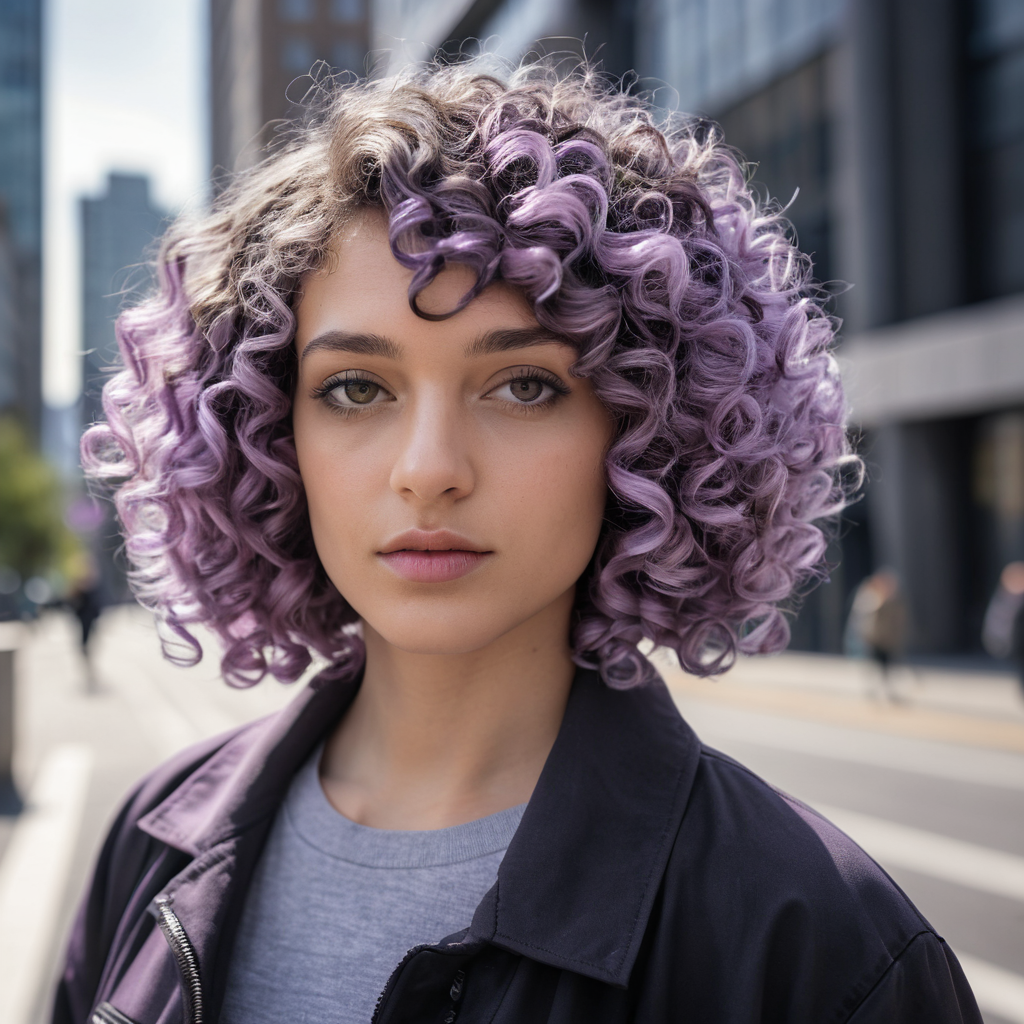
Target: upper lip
<point x="430" y="540"/>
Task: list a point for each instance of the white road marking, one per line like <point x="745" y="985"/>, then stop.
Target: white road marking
<point x="997" y="990"/>
<point x="719" y="726"/>
<point x="33" y="876"/>
<point x="952" y="860"/>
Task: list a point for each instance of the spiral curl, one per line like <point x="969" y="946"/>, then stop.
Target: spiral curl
<point x="694" y="315"/>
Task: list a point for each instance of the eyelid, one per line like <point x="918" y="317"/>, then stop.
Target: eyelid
<point x="345" y="377"/>
<point x="514" y="373"/>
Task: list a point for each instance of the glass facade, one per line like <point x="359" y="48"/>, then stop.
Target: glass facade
<point x="295" y="10"/>
<point x="995" y="158"/>
<point x="785" y="129"/>
<point x="21" y="199"/>
<point x="21" y="120"/>
<point x="347" y="55"/>
<point x="346" y="12"/>
<point x="296" y="55"/>
<point x="713" y="51"/>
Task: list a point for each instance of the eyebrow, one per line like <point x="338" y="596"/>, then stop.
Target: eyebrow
<point x="504" y="339"/>
<point x="508" y="338"/>
<point x="360" y="344"/>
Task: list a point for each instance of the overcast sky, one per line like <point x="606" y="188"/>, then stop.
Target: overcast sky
<point x="125" y="90"/>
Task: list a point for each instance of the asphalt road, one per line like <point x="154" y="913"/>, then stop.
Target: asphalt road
<point x="946" y="819"/>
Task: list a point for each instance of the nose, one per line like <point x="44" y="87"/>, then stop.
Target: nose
<point x="433" y="462"/>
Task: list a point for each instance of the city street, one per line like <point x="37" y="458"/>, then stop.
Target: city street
<point x="931" y="783"/>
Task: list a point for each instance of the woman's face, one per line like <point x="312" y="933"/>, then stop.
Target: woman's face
<point x="454" y="470"/>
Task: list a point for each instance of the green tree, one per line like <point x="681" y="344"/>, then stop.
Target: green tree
<point x="33" y="537"/>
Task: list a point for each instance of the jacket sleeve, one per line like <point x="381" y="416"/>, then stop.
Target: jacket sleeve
<point x="925" y="984"/>
<point x="128" y="856"/>
<point x="91" y="934"/>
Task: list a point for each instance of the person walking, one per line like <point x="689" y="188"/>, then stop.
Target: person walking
<point x="85" y="599"/>
<point x="878" y="624"/>
<point x="1002" y="633"/>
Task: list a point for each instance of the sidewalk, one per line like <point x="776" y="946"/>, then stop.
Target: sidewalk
<point x="972" y="708"/>
<point x="77" y="755"/>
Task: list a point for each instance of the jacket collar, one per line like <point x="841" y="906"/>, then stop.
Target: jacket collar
<point x="577" y="885"/>
<point x="247" y="778"/>
<point x="579" y="880"/>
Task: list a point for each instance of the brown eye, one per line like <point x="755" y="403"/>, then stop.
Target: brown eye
<point x="526" y="390"/>
<point x="361" y="392"/>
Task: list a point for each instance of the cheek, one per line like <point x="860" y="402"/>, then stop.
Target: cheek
<point x="556" y="495"/>
<point x="336" y="478"/>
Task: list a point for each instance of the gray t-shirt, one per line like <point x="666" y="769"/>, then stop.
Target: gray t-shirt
<point x="334" y="906"/>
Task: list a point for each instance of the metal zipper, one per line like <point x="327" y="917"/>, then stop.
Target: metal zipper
<point x="185" y="955"/>
<point x="391" y="979"/>
<point x="455" y="994"/>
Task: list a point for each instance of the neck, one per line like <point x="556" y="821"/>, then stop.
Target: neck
<point x="434" y="740"/>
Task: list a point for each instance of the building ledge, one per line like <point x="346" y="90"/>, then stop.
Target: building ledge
<point x="965" y="361"/>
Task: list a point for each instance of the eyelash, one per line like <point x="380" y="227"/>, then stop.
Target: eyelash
<point x="323" y="391"/>
<point x="528" y="373"/>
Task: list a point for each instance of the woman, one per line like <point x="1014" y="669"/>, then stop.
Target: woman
<point x="476" y="384"/>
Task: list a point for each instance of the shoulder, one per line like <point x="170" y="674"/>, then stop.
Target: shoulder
<point x="784" y="854"/>
<point x="766" y="901"/>
<point x="130" y="845"/>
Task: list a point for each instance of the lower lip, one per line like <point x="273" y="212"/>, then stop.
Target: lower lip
<point x="433" y="566"/>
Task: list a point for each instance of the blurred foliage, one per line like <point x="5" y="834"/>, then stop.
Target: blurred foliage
<point x="33" y="537"/>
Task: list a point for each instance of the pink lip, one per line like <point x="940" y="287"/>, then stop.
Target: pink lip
<point x="434" y="556"/>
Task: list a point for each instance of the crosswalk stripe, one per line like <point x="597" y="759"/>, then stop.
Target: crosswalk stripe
<point x="997" y="990"/>
<point x="928" y="853"/>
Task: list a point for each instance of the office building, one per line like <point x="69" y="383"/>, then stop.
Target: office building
<point x="119" y="231"/>
<point x="21" y="209"/>
<point x="262" y="51"/>
<point x="893" y="132"/>
<point x="261" y="56"/>
<point x="900" y="123"/>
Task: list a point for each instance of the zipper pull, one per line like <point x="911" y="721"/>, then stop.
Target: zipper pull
<point x="185" y="957"/>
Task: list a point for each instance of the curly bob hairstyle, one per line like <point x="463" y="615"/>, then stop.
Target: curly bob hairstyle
<point x="639" y="242"/>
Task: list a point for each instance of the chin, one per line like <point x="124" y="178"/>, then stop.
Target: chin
<point x="456" y="631"/>
<point x="441" y="639"/>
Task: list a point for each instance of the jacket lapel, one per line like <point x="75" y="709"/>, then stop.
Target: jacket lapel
<point x="579" y="880"/>
<point x="247" y="778"/>
<point x="575" y="889"/>
<point x="220" y="816"/>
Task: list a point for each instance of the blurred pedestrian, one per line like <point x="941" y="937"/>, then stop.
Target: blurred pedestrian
<point x="878" y="623"/>
<point x="84" y="599"/>
<point x="1002" y="633"/>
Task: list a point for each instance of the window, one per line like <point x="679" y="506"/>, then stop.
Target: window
<point x="714" y="50"/>
<point x="346" y="12"/>
<point x="295" y="10"/>
<point x="347" y="55"/>
<point x="785" y="129"/>
<point x="996" y="154"/>
<point x="297" y="55"/>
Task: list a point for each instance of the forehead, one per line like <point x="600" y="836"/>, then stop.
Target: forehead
<point x="365" y="289"/>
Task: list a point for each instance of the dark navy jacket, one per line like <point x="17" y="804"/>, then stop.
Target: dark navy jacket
<point x="651" y="880"/>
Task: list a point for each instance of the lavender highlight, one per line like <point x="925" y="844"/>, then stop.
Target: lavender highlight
<point x="693" y="313"/>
